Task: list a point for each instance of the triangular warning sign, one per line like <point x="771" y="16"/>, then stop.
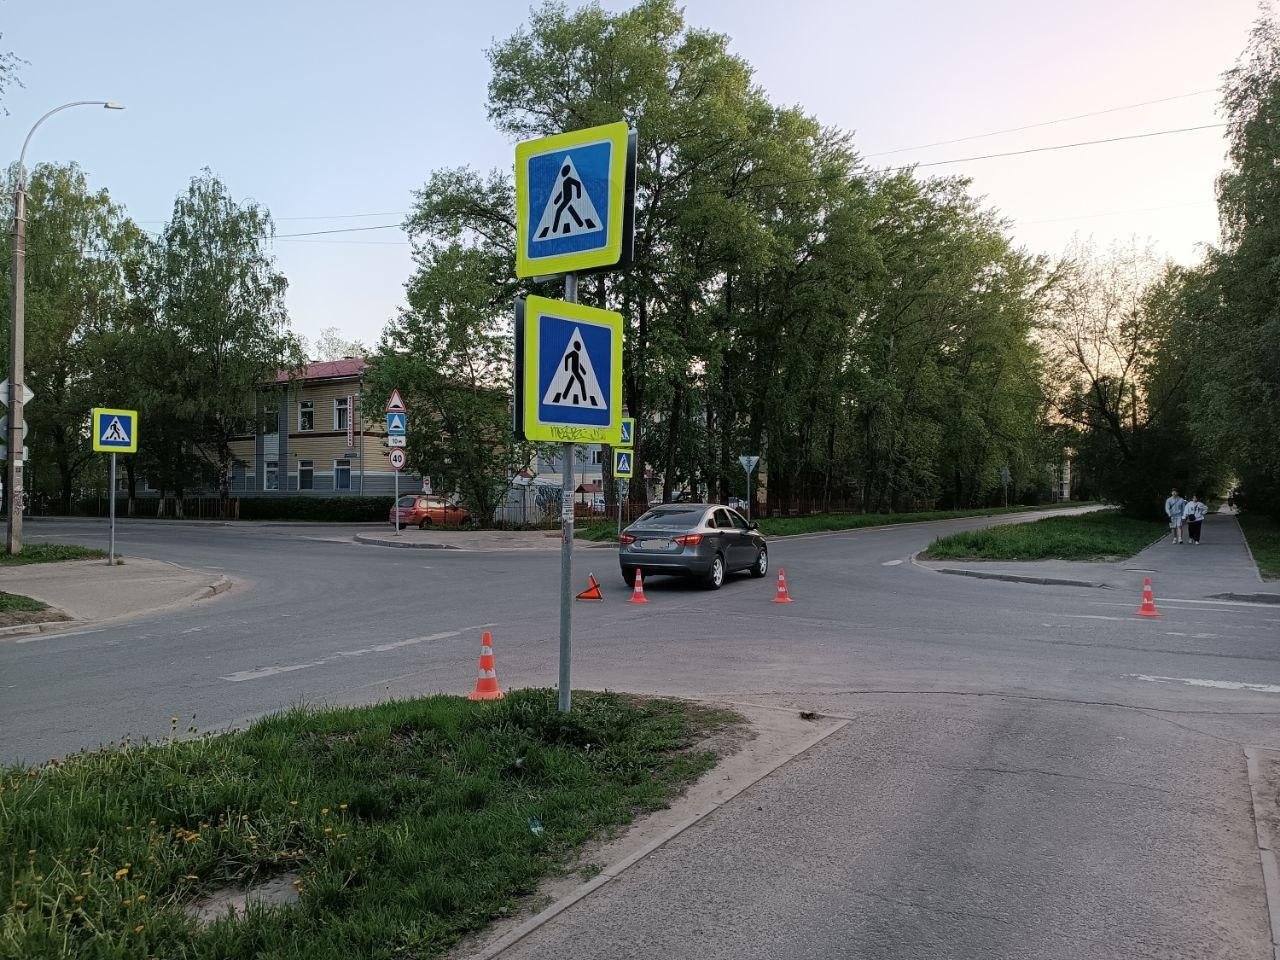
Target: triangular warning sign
<point x="575" y="383"/>
<point x="115" y="432"/>
<point x="569" y="211"/>
<point x="396" y="403"/>
<point x="593" y="589"/>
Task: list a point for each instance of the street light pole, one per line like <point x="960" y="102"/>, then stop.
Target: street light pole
<point x="13" y="481"/>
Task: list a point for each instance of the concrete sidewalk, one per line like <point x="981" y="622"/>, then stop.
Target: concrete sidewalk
<point x="1220" y="566"/>
<point x="90" y="591"/>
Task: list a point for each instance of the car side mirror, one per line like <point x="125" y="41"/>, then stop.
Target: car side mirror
<point x="753" y="525"/>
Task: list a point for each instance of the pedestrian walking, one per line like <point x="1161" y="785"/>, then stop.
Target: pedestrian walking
<point x="1173" y="507"/>
<point x="1195" y="511"/>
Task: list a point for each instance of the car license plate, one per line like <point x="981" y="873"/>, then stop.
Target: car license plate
<point x="653" y="544"/>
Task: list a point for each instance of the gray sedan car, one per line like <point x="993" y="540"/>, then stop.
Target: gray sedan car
<point x="692" y="539"/>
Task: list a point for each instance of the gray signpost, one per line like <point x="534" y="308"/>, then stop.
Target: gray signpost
<point x="748" y="464"/>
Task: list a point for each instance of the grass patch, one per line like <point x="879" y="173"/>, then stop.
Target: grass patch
<point x="823" y="522"/>
<point x="49" y="553"/>
<point x="1103" y="535"/>
<point x="408" y="824"/>
<point x="1263" y="534"/>
<point x="13" y="603"/>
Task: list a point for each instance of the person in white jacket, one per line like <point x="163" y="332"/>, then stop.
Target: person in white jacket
<point x="1194" y="511"/>
<point x="1173" y="508"/>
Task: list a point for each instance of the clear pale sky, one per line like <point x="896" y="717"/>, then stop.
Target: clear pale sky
<point x="322" y="108"/>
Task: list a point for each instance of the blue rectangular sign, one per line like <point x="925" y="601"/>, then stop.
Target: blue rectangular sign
<point x="396" y="424"/>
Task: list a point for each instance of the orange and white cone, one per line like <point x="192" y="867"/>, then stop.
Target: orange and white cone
<point x="637" y="592"/>
<point x="782" y="596"/>
<point x="1148" y="608"/>
<point x="487" y="683"/>
<point x="593" y="590"/>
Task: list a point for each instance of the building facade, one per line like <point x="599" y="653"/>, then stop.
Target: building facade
<point x="319" y="433"/>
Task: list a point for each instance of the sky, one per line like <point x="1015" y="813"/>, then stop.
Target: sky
<point x="330" y="114"/>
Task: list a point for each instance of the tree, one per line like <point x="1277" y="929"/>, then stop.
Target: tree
<point x="332" y="345"/>
<point x="221" y="328"/>
<point x="9" y="64"/>
<point x="78" y="246"/>
<point x="450" y="356"/>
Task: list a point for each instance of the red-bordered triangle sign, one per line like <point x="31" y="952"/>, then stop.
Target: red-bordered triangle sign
<point x="396" y="403"/>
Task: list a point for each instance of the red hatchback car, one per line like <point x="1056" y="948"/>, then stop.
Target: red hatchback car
<point x="424" y="510"/>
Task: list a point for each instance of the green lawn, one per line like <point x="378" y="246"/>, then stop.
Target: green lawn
<point x="1104" y="535"/>
<point x="13" y="603"/>
<point x="822" y="522"/>
<point x="405" y="824"/>
<point x="49" y="553"/>
<point x="1263" y="534"/>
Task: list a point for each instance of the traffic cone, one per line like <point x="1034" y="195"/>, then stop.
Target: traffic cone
<point x="593" y="590"/>
<point x="1148" y="608"/>
<point x="637" y="592"/>
<point x="782" y="596"/>
<point x="487" y="684"/>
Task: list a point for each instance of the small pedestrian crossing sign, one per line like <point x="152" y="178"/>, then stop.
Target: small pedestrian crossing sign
<point x="622" y="464"/>
<point x="574" y="192"/>
<point x="569" y="363"/>
<point x="627" y="438"/>
<point x="114" y="431"/>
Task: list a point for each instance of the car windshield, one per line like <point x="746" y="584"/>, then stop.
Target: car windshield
<point x="670" y="517"/>
<point x="405" y="502"/>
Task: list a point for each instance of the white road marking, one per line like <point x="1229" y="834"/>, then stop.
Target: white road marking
<point x="259" y="674"/>
<point x="1220" y="684"/>
<point x="1092" y="616"/>
<point x="890" y="563"/>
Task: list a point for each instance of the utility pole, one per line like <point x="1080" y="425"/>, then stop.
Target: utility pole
<point x="17" y="338"/>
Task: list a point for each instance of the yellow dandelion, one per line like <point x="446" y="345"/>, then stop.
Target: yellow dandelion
<point x="138" y="928"/>
<point x="79" y="898"/>
<point x="342" y="806"/>
<point x="141" y="897"/>
<point x="324" y="811"/>
<point x="328" y="829"/>
<point x="122" y="873"/>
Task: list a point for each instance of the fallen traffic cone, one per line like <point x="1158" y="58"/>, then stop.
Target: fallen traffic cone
<point x="1148" y="608"/>
<point x="782" y="596"/>
<point x="487" y="684"/>
<point x="637" y="592"/>
<point x="593" y="589"/>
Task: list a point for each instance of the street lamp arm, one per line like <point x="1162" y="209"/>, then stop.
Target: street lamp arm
<point x="74" y="103"/>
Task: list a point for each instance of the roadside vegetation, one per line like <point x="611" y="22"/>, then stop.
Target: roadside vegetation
<point x="822" y="522"/>
<point x="15" y="603"/>
<point x="49" y="553"/>
<point x="1263" y="534"/>
<point x="401" y="826"/>
<point x="1103" y="535"/>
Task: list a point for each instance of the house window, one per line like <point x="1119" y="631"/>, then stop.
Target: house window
<point x="342" y="474"/>
<point x="341" y="413"/>
<point x="271" y="476"/>
<point x="597" y="456"/>
<point x="306" y="415"/>
<point x="306" y="475"/>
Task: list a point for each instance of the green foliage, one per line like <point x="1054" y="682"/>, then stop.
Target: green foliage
<point x="406" y="824"/>
<point x="869" y="334"/>
<point x="1103" y="535"/>
<point x="318" y="509"/>
<point x="49" y="553"/>
<point x="15" y="603"/>
<point x="1263" y="534"/>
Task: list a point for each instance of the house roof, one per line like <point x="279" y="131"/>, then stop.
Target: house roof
<point x="326" y="370"/>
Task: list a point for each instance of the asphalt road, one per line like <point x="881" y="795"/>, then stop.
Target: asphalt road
<point x="1032" y="771"/>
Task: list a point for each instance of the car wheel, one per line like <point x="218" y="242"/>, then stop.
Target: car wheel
<point x="761" y="566"/>
<point x="715" y="576"/>
<point x="426" y="522"/>
<point x="629" y="575"/>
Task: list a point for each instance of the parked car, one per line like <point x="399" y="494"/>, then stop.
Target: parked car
<point x="702" y="540"/>
<point x="425" y="510"/>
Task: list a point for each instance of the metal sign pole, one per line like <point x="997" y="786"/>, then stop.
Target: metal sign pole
<point x="111" y="550"/>
<point x="566" y="546"/>
<point x="748" y="473"/>
<point x="622" y="485"/>
<point x="395" y="504"/>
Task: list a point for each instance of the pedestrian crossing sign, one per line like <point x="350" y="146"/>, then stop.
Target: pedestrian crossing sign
<point x="574" y="198"/>
<point x="114" y="431"/>
<point x="569" y="372"/>
<point x="623" y="461"/>
<point x="627" y="438"/>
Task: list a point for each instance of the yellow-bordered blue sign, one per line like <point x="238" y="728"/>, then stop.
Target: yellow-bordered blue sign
<point x="623" y="463"/>
<point x="114" y="431"/>
<point x="574" y="194"/>
<point x="569" y="372"/>
<point x="628" y="436"/>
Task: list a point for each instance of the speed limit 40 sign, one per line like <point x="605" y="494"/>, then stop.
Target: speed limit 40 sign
<point x="397" y="458"/>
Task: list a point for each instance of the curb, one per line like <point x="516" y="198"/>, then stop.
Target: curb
<point x="614" y="870"/>
<point x="383" y="542"/>
<point x="45" y="626"/>
<point x="1266" y="853"/>
<point x="1272" y="598"/>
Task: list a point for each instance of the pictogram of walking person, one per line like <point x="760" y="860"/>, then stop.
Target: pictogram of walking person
<point x="570" y="192"/>
<point x="573" y="365"/>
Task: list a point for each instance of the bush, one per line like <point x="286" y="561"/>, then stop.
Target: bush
<point x="320" y="509"/>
